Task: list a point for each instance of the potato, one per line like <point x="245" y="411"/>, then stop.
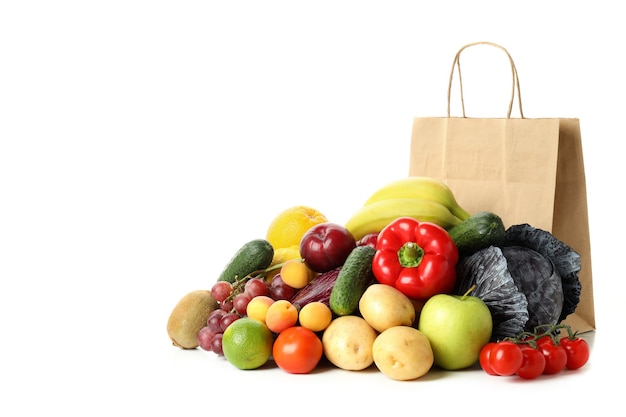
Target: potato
<point x="402" y="353"/>
<point x="348" y="342"/>
<point x="383" y="306"/>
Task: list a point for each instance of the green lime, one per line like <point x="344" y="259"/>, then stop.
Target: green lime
<point x="247" y="343"/>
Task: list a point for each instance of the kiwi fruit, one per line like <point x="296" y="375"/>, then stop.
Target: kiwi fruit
<point x="189" y="316"/>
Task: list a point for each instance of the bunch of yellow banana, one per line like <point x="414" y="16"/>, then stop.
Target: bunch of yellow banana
<point x="422" y="198"/>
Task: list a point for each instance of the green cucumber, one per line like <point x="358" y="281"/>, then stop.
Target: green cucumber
<point x="480" y="231"/>
<point x="253" y="256"/>
<point x="353" y="279"/>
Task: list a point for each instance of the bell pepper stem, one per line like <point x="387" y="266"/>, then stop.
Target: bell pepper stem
<point x="410" y="255"/>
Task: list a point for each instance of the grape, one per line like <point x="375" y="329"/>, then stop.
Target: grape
<point x="279" y="290"/>
<point x="227" y="305"/>
<point x="282" y="292"/>
<point x="216" y="312"/>
<point x="221" y="290"/>
<point x="216" y="344"/>
<point x="205" y="336"/>
<point x="227" y="319"/>
<point x="257" y="286"/>
<point x="277" y="280"/>
<point x="240" y="303"/>
<point x="213" y="322"/>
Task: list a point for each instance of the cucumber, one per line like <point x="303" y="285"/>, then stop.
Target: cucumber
<point x="353" y="279"/>
<point x="480" y="231"/>
<point x="253" y="256"/>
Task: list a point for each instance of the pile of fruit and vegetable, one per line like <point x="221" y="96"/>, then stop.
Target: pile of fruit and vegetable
<point x="412" y="281"/>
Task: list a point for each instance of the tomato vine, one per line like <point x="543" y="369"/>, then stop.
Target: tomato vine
<point x="540" y="352"/>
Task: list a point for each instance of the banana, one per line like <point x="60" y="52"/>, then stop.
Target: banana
<point x="373" y="217"/>
<point x="424" y="188"/>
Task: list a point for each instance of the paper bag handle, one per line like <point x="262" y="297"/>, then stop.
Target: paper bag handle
<point x="515" y="79"/>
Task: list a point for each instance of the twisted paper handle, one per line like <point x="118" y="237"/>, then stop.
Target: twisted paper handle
<point x="515" y="79"/>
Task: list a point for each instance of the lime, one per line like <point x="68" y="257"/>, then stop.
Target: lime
<point x="247" y="343"/>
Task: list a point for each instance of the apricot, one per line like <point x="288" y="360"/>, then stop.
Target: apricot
<point x="258" y="306"/>
<point x="315" y="316"/>
<point x="281" y="315"/>
<point x="296" y="274"/>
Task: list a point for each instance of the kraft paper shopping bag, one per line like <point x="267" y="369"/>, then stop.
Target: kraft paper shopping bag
<point x="526" y="170"/>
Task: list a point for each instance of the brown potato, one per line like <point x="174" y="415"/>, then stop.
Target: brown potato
<point x="383" y="306"/>
<point x="403" y="353"/>
<point x="348" y="342"/>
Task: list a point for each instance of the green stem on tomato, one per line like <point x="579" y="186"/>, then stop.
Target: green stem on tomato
<point x="542" y="330"/>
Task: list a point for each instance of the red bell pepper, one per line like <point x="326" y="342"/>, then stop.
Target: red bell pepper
<point x="417" y="258"/>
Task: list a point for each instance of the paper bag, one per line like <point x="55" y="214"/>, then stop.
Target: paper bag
<point x="525" y="170"/>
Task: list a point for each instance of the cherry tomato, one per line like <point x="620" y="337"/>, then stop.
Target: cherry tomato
<point x="543" y="340"/>
<point x="556" y="357"/>
<point x="297" y="350"/>
<point x="505" y="358"/>
<point x="577" y="351"/>
<point x="533" y="363"/>
<point x="483" y="358"/>
<point x="326" y="246"/>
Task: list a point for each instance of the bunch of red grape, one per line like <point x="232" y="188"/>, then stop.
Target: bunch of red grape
<point x="233" y="299"/>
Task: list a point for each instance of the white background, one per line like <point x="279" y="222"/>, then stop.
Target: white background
<point x="143" y="142"/>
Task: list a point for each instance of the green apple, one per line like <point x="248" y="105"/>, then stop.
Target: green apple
<point x="457" y="326"/>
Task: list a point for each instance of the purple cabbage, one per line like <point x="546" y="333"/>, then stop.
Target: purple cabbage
<point x="530" y="279"/>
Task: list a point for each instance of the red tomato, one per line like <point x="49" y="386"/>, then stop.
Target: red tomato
<point x="297" y="350"/>
<point x="556" y="358"/>
<point x="483" y="358"/>
<point x="543" y="340"/>
<point x="533" y="363"/>
<point x="577" y="351"/>
<point x="505" y="358"/>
